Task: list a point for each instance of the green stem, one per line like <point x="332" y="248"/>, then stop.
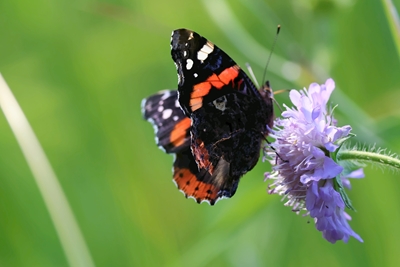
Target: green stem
<point x="369" y="157"/>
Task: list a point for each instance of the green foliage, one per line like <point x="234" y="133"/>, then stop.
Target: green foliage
<point x="79" y="70"/>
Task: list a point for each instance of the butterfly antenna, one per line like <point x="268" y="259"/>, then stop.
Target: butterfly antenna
<point x="253" y="77"/>
<point x="270" y="54"/>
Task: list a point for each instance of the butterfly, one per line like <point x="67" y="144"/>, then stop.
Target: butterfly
<point x="214" y="123"/>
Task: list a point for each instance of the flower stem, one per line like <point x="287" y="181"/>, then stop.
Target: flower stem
<point x="390" y="161"/>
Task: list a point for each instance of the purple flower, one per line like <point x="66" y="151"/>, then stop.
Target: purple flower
<point x="303" y="172"/>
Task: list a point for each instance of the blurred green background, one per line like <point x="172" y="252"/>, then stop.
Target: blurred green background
<point x="79" y="70"/>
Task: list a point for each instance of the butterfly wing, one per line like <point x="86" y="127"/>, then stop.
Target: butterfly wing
<point x="229" y="115"/>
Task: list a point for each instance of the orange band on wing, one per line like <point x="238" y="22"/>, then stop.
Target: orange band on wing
<point x="196" y="103"/>
<point x="228" y="75"/>
<point x="216" y="81"/>
<point x="178" y="134"/>
<point x="192" y="187"/>
<point x="203" y="88"/>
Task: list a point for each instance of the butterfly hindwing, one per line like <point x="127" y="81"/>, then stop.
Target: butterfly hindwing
<point x="197" y="183"/>
<point x="171" y="126"/>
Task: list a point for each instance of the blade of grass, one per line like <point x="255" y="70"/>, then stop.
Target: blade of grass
<point x="66" y="226"/>
<point x="394" y="22"/>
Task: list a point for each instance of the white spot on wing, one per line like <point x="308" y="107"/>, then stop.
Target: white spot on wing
<point x="160" y="109"/>
<point x="166" y="114"/>
<point x="208" y="47"/>
<point x="189" y="64"/>
<point x="220" y="103"/>
<point x="201" y="56"/>
<point x="195" y="75"/>
<point x="185" y="53"/>
<point x="203" y="53"/>
<point x="166" y="95"/>
<point x="177" y="104"/>
<point x="175" y="118"/>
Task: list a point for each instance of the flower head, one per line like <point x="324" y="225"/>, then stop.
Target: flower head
<point x="304" y="171"/>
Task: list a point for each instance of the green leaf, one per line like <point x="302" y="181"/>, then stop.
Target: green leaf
<point x="337" y="184"/>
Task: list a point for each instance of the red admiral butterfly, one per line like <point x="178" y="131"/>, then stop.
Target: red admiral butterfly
<point x="215" y="122"/>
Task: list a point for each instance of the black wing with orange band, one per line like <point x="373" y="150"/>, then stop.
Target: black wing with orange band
<point x="215" y="122"/>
